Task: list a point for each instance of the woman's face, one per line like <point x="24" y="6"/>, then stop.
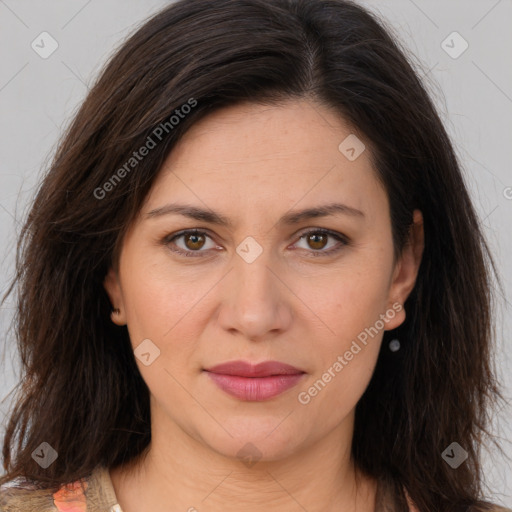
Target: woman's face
<point x="264" y="285"/>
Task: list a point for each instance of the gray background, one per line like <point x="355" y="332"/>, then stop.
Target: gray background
<point x="473" y="92"/>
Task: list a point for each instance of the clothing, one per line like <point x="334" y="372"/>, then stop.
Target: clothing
<point x="96" y="494"/>
<point x="92" y="494"/>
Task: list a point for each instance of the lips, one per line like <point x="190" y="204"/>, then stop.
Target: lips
<point x="249" y="382"/>
<point x="265" y="369"/>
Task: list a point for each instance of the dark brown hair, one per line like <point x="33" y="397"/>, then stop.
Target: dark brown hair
<point x="81" y="390"/>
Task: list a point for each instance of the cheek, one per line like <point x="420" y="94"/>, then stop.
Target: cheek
<point x="345" y="355"/>
<point x="163" y="307"/>
<point x="159" y="298"/>
<point x="348" y="300"/>
<point x="349" y="303"/>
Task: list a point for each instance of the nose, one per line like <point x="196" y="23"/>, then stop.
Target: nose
<point x="256" y="302"/>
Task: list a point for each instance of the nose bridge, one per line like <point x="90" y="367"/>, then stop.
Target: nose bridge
<point x="252" y="268"/>
<point x="254" y="303"/>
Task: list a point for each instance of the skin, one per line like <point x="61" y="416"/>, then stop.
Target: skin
<point x="252" y="164"/>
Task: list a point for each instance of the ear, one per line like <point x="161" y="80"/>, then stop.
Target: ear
<point x="406" y="269"/>
<point x="113" y="288"/>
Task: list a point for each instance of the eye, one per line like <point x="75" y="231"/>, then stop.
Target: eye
<point x="318" y="240"/>
<point x="189" y="242"/>
<point x="193" y="242"/>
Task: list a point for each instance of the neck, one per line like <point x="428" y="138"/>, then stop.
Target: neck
<point x="179" y="472"/>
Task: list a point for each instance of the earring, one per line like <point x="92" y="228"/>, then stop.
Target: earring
<point x="116" y="311"/>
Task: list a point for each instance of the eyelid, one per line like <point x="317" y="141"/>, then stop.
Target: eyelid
<point x="340" y="237"/>
<point x="327" y="231"/>
<point x="168" y="239"/>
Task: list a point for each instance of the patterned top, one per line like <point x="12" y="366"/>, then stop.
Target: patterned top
<point x="92" y="494"/>
<point x="96" y="494"/>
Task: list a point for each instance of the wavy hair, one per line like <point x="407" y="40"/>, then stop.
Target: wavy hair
<point x="81" y="390"/>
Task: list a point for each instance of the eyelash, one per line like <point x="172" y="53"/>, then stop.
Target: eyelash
<point x="167" y="240"/>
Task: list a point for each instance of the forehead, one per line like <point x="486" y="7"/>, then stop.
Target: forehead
<point x="250" y="155"/>
<point x="259" y="133"/>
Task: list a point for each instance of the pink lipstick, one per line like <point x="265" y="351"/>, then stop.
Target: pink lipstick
<point x="259" y="382"/>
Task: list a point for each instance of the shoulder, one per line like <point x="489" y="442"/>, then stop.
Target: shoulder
<point x="24" y="496"/>
<point x="88" y="494"/>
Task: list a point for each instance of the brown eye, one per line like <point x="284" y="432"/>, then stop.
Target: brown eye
<point x="194" y="241"/>
<point x="190" y="243"/>
<point x="317" y="240"/>
<point x="322" y="242"/>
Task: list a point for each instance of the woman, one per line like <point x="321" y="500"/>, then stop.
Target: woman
<point x="253" y="279"/>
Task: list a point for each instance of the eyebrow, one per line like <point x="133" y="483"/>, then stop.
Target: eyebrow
<point x="289" y="218"/>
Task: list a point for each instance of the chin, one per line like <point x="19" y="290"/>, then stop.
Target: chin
<point x="253" y="439"/>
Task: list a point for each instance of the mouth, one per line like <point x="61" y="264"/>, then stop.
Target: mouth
<point x="259" y="382"/>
